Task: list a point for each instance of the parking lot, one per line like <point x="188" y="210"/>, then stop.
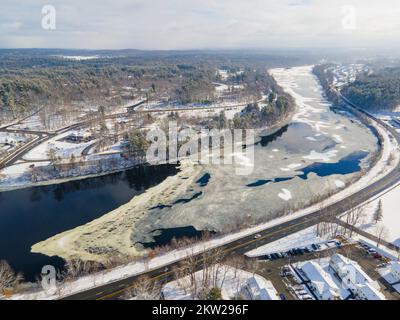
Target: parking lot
<point x="273" y="268"/>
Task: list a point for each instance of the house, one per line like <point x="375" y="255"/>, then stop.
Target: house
<point x="79" y="136"/>
<point x="395" y="269"/>
<point x="369" y="292"/>
<point x="260" y="289"/>
<point x="355" y="279"/>
<point x="320" y="282"/>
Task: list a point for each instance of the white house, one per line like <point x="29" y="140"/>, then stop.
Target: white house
<point x="355" y="279"/>
<point x="260" y="290"/>
<point x="320" y="282"/>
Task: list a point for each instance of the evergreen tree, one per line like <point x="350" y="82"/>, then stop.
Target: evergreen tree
<point x="378" y="214"/>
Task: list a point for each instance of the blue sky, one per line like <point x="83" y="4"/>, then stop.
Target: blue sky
<point x="189" y="24"/>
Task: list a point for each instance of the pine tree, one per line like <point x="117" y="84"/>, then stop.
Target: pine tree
<point x="378" y="214"/>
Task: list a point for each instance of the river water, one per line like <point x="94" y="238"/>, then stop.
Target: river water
<point x="30" y="215"/>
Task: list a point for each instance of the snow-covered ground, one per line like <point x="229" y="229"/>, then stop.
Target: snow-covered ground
<point x="303" y="238"/>
<point x="62" y="149"/>
<point x="9" y="141"/>
<point x="390" y="216"/>
<point x="231" y="282"/>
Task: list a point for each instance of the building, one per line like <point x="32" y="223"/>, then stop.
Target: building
<point x="260" y="289"/>
<point x="79" y="136"/>
<point x="395" y="269"/>
<point x="320" y="282"/>
<point x="355" y="279"/>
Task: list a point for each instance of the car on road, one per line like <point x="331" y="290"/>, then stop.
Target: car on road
<point x="257" y="236"/>
<point x="282" y="296"/>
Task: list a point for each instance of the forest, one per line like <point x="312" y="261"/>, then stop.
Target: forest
<point x="379" y="90"/>
<point x="31" y="79"/>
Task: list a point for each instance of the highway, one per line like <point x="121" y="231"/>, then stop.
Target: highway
<point x="119" y="288"/>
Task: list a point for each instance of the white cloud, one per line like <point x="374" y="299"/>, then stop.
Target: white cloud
<point x="176" y="24"/>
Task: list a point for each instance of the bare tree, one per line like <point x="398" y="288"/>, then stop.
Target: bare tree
<point x="381" y="233"/>
<point x="76" y="268"/>
<point x="145" y="288"/>
<point x="8" y="278"/>
<point x="354" y="217"/>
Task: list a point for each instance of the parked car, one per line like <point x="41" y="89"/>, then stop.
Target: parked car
<point x="282" y="296"/>
<point x="377" y="255"/>
<point x="371" y="251"/>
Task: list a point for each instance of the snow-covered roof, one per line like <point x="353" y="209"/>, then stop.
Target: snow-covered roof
<point x="261" y="290"/>
<point x="370" y="293"/>
<point x="352" y="268"/>
<point x="321" y="280"/>
<point x="395" y="266"/>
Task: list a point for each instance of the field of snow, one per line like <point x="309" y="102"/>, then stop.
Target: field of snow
<point x="62" y="149"/>
<point x="390" y="216"/>
<point x="232" y="282"/>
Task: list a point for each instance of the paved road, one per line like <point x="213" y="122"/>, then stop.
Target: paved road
<point x="164" y="273"/>
<point x="43" y="136"/>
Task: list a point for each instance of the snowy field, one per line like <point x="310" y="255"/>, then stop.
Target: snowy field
<point x="233" y="282"/>
<point x="390" y="221"/>
<point x="9" y="141"/>
<point x="62" y="149"/>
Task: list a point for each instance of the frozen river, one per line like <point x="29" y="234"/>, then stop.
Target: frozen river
<point x="319" y="151"/>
